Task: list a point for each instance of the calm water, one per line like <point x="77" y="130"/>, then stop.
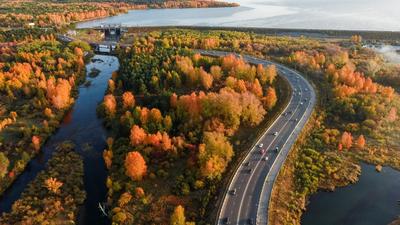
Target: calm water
<point x="85" y="130"/>
<point x="371" y="201"/>
<point x="310" y="14"/>
<point x="390" y="52"/>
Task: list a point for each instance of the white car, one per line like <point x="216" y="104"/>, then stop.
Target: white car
<point x="275" y="133"/>
<point x="260" y="145"/>
<point x="265" y="158"/>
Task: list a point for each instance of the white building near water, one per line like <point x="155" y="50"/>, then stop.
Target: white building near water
<point x="104" y="48"/>
<point x="71" y="32"/>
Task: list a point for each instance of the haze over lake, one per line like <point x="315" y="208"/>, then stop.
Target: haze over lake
<point x="309" y="14"/>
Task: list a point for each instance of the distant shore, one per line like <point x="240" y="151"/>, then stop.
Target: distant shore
<point x="390" y="36"/>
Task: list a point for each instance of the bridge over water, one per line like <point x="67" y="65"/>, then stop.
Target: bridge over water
<point x="112" y="35"/>
<point x="112" y="31"/>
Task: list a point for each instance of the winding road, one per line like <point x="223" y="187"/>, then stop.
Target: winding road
<point x="247" y="199"/>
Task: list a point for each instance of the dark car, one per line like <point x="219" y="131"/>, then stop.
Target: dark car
<point x="250" y="221"/>
<point x="226" y="220"/>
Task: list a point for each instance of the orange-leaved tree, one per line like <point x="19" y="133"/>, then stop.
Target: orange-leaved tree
<point x="178" y="216"/>
<point x="36" y="142"/>
<point x="107" y="156"/>
<point x="128" y="100"/>
<point x="138" y="135"/>
<point x="346" y="140"/>
<point x="270" y="98"/>
<point x="135" y="166"/>
<point x="360" y="142"/>
<point x="53" y="185"/>
<point x="110" y="104"/>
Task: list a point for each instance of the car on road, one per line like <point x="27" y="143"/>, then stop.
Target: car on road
<point x="276" y="149"/>
<point x="249" y="170"/>
<point x="301" y="103"/>
<point x="232" y="192"/>
<point x="226" y="220"/>
<point x="275" y="133"/>
<point x="265" y="158"/>
<point x="246" y="164"/>
<point x="262" y="151"/>
<point x="260" y="145"/>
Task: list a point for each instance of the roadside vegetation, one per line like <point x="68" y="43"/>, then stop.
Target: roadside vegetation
<point x="357" y="120"/>
<point x="176" y="118"/>
<point x="54" y="195"/>
<point x="356" y="117"/>
<point x="38" y="84"/>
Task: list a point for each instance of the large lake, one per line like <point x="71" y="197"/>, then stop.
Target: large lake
<point x="308" y="14"/>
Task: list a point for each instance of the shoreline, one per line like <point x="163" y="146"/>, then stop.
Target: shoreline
<point x="294" y="32"/>
<point x="368" y="35"/>
<point x="367" y="169"/>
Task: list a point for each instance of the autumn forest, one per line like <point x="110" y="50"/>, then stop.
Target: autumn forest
<point x="178" y="122"/>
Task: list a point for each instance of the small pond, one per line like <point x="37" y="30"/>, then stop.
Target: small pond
<point x="373" y="200"/>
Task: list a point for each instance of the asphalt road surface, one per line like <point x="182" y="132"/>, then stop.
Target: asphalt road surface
<point x="247" y="199"/>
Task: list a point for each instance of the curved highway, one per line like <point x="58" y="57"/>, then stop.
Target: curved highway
<point x="247" y="198"/>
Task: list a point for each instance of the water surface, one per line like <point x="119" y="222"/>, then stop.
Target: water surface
<point x="81" y="126"/>
<point x="305" y="14"/>
<point x="373" y="200"/>
<point x="391" y="53"/>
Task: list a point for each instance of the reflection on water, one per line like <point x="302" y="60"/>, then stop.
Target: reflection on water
<point x="373" y="200"/>
<point x="309" y="14"/>
<point x="82" y="127"/>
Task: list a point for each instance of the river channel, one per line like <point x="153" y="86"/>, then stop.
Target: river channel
<point x="81" y="126"/>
